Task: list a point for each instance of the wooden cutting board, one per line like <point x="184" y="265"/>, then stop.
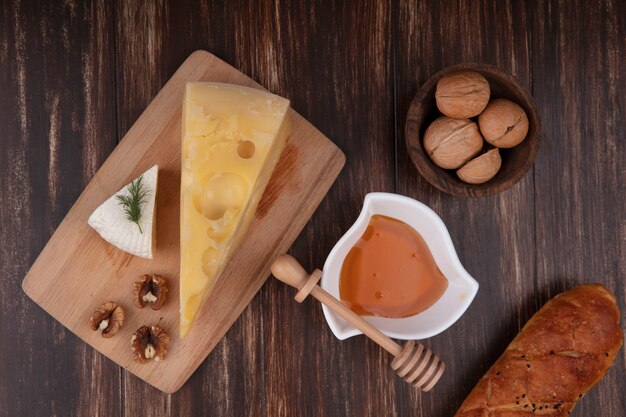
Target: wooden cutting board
<point x="77" y="270"/>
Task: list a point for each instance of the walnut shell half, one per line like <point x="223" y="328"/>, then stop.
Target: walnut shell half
<point x="108" y="318"/>
<point x="150" y="289"/>
<point x="482" y="168"/>
<point x="452" y="142"/>
<point x="149" y="343"/>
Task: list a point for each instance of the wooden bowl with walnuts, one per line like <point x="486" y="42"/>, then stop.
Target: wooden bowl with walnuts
<point x="472" y="130"/>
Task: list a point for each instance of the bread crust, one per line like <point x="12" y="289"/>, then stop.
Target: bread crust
<point x="561" y="353"/>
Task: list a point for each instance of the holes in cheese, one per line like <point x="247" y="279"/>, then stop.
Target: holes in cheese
<point x="214" y="196"/>
<point x="209" y="261"/>
<point x="191" y="307"/>
<point x="245" y="149"/>
<point x="232" y="138"/>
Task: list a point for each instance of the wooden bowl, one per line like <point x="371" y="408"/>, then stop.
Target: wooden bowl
<point x="515" y="161"/>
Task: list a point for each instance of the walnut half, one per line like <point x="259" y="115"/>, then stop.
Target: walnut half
<point x="150" y="289"/>
<point x="108" y="318"/>
<point x="149" y="343"/>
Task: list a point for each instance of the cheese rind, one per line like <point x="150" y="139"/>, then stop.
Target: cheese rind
<point x="110" y="221"/>
<point x="232" y="138"/>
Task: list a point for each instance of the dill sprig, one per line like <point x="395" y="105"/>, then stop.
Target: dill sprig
<point x="132" y="203"/>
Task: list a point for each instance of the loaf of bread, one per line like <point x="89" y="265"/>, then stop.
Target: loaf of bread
<point x="563" y="351"/>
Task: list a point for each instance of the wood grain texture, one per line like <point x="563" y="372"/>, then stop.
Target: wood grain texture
<point x="77" y="270"/>
<point x="579" y="83"/>
<point x="494" y="236"/>
<point x="342" y="82"/>
<point x="57" y="111"/>
<point x="352" y="71"/>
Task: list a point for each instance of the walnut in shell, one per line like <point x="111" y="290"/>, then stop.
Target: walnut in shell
<point x="462" y="95"/>
<point x="482" y="168"/>
<point x="150" y="289"/>
<point x="452" y="142"/>
<point x="503" y="123"/>
<point x="108" y="318"/>
<point x="149" y="343"/>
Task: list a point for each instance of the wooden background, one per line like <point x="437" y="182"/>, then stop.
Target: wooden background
<point x="74" y="76"/>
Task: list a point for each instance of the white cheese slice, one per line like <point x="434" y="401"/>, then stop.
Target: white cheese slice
<point x="110" y="221"/>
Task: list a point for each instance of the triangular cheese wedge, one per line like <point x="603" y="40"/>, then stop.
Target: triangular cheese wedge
<point x="232" y="138"/>
<point x="110" y="220"/>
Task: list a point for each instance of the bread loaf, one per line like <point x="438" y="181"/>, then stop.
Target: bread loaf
<point x="563" y="351"/>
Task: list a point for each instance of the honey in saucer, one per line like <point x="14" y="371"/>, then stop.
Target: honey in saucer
<point x="390" y="272"/>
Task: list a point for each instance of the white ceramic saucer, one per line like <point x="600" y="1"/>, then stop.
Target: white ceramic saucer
<point x="446" y="311"/>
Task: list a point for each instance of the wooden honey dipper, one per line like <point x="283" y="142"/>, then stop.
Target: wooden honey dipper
<point x="414" y="363"/>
